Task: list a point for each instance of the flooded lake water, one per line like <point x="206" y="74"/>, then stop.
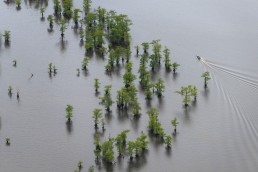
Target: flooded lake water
<point x="218" y="133"/>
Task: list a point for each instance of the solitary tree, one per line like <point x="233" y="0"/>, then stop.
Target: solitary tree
<point x="51" y="21"/>
<point x="7" y="36"/>
<point x="63" y="27"/>
<point x="10" y="89"/>
<point x="96" y="84"/>
<point x="85" y="63"/>
<point x="175" y="66"/>
<point x="18" y="3"/>
<point x="42" y="10"/>
<point x="69" y="112"/>
<point x="174" y="122"/>
<point x="97" y="114"/>
<point x="7" y="140"/>
<point x="80" y="164"/>
<point x="206" y="76"/>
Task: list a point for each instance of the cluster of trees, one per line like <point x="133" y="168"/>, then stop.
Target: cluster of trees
<point x="188" y="92"/>
<point x="156" y="56"/>
<point x="52" y="69"/>
<point x="105" y="150"/>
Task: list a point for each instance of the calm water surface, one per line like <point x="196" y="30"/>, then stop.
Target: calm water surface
<point x="219" y="133"/>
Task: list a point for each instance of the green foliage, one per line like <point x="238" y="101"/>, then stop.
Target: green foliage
<point x="187" y="92"/>
<point x="167" y="58"/>
<point x="10" y="89"/>
<point x="160" y="87"/>
<point x="18" y="3"/>
<point x="63" y="27"/>
<point x="137" y="146"/>
<point x="91" y="169"/>
<point x="51" y="21"/>
<point x="145" y="46"/>
<point x="118" y="26"/>
<point x="156" y="49"/>
<point x="97" y="114"/>
<point x="107" y="150"/>
<point x="57" y="7"/>
<point x="128" y="77"/>
<point x="154" y="124"/>
<point x="194" y="92"/>
<point x="7" y="36"/>
<point x="174" y="122"/>
<point x="69" y="112"/>
<point x="42" y="10"/>
<point x="96" y="84"/>
<point x="76" y="16"/>
<point x="97" y="150"/>
<point x="86" y="6"/>
<point x="67" y="8"/>
<point x="168" y="140"/>
<point x="206" y="76"/>
<point x="175" y="66"/>
<point x="79" y="164"/>
<point x="106" y="99"/>
<point x="85" y="63"/>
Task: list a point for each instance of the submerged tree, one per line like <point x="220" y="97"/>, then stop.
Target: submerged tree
<point x="10" y="90"/>
<point x="107" y="150"/>
<point x="174" y="122"/>
<point x="51" y="21"/>
<point x="7" y="36"/>
<point x="160" y="87"/>
<point x="86" y="6"/>
<point x="63" y="27"/>
<point x="186" y="92"/>
<point x="97" y="150"/>
<point x="57" y="7"/>
<point x="76" y="16"/>
<point x="42" y="10"/>
<point x="18" y="3"/>
<point x="194" y="92"/>
<point x="97" y="114"/>
<point x="175" y="66"/>
<point x="85" y="63"/>
<point x="145" y="46"/>
<point x="106" y="99"/>
<point x="167" y="58"/>
<point x="206" y="76"/>
<point x="67" y="8"/>
<point x="69" y="112"/>
<point x="168" y="141"/>
<point x="96" y="84"/>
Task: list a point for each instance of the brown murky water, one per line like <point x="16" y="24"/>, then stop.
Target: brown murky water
<point x="219" y="133"/>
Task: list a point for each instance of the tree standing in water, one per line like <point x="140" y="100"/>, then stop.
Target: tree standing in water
<point x="206" y="76"/>
<point x="69" y="112"/>
<point x="63" y="27"/>
<point x="174" y="122"/>
<point x="51" y="21"/>
<point x="97" y="114"/>
<point x="42" y="10"/>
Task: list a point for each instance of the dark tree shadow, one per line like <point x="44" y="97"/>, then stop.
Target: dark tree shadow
<point x="69" y="127"/>
<point x="175" y="76"/>
<point x="42" y="19"/>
